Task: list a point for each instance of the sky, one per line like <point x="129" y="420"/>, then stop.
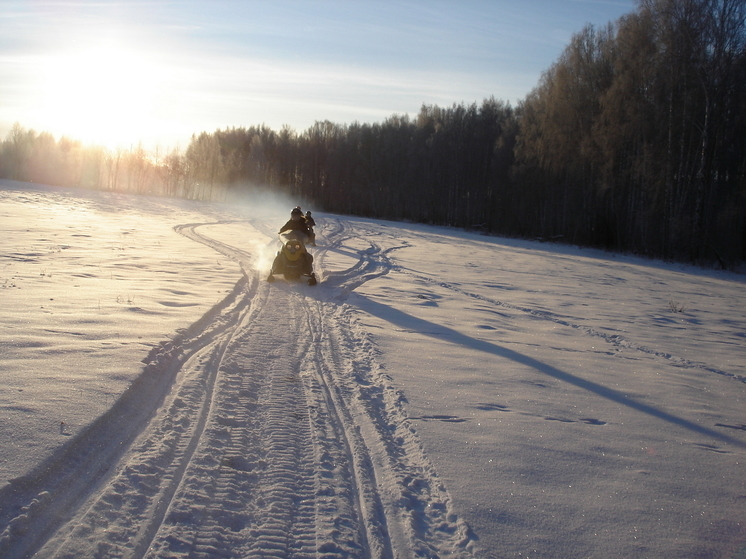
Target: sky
<point x="122" y="72"/>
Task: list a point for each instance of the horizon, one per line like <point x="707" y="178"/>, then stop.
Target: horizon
<point x="123" y="73"/>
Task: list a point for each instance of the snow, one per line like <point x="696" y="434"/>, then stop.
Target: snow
<point x="438" y="394"/>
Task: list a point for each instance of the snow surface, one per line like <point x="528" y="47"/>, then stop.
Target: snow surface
<point x="438" y="394"/>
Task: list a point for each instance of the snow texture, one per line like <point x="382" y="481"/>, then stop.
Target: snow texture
<point x="437" y="394"/>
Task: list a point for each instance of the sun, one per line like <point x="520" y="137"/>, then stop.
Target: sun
<point x="104" y="95"/>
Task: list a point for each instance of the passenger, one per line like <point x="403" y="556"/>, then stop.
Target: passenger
<point x="310" y="222"/>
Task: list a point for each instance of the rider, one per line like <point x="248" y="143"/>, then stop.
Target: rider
<point x="311" y="223"/>
<point x="293" y="260"/>
<point x="296" y="223"/>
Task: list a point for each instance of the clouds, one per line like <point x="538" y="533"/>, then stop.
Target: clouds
<point x="190" y="66"/>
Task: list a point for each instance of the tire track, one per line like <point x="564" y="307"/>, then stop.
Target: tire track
<point x="152" y="471"/>
<point x="279" y="438"/>
<point x="290" y="406"/>
<point x="257" y="456"/>
<point x="343" y="453"/>
<point x="62" y="484"/>
<point x="414" y="515"/>
<point x="340" y="531"/>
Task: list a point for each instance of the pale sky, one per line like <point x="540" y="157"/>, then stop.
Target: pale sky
<point x="157" y="71"/>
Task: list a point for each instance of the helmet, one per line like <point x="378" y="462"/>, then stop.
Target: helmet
<point x="308" y="213"/>
<point x="296" y="211"/>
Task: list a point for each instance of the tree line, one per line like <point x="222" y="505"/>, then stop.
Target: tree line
<point x="633" y="140"/>
<point x="636" y="137"/>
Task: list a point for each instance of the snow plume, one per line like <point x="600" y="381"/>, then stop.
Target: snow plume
<point x="267" y="210"/>
<point x="262" y="200"/>
<point x="263" y="255"/>
<point x="264" y="210"/>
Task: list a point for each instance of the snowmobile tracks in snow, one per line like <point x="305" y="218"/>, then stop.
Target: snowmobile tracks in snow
<point x="372" y="262"/>
<point x="268" y="431"/>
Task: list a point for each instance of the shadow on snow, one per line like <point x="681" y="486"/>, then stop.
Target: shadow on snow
<point x="446" y="334"/>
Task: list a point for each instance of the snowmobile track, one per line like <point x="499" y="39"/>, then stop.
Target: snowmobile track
<point x="274" y="435"/>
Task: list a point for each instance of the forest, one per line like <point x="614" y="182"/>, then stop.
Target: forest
<point x="634" y="140"/>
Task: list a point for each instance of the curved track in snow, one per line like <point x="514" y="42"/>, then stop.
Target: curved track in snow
<point x="265" y="430"/>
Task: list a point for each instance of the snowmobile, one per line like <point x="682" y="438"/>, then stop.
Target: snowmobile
<point x="293" y="260"/>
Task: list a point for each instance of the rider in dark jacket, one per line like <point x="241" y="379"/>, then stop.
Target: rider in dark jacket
<point x="296" y="223"/>
<point x="293" y="260"/>
<point x="310" y="222"/>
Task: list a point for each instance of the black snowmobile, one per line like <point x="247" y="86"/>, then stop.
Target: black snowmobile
<point x="293" y="260"/>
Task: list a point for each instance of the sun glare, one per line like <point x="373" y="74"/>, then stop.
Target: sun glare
<point x="104" y="95"/>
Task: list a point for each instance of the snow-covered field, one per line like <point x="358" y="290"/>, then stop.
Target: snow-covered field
<point x="438" y="394"/>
